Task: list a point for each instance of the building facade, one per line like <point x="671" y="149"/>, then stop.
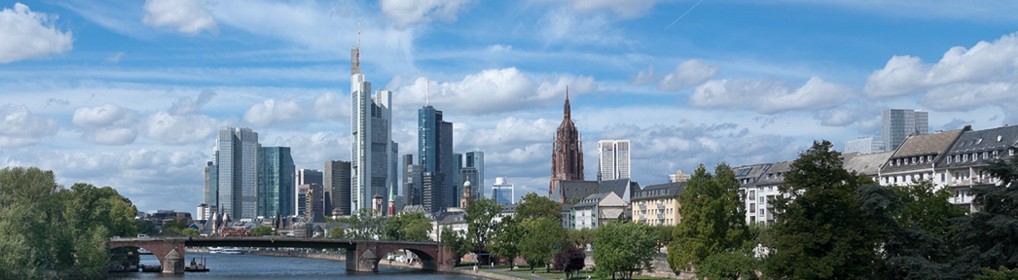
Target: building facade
<point x="864" y="145"/>
<point x="503" y="192"/>
<point x="899" y="124"/>
<point x="567" y="152"/>
<point x="237" y="172"/>
<point x="275" y="182"/>
<point x="475" y="159"/>
<point x="337" y="179"/>
<point x="211" y="191"/>
<point x="613" y="159"/>
<point x="436" y="158"/>
<point x="372" y="155"/>
<point x="658" y="204"/>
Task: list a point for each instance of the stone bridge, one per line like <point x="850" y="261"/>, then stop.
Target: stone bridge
<point x="361" y="255"/>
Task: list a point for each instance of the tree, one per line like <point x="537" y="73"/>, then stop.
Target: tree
<point x="407" y="227"/>
<point x="480" y="217"/>
<point x="821" y="233"/>
<point x="581" y="237"/>
<point x="336" y="232"/>
<point x="713" y="222"/>
<point x="455" y="242"/>
<point x="569" y="260"/>
<point x="542" y="240"/>
<point x="261" y="231"/>
<point x="986" y="239"/>
<point x="623" y="248"/>
<point x="665" y="235"/>
<point x="366" y="224"/>
<point x="505" y="239"/>
<point x="534" y="206"/>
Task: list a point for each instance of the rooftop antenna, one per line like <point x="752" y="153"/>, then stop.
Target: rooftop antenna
<point x="358" y="33"/>
<point x="427" y="93"/>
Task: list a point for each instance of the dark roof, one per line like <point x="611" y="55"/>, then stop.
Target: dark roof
<point x="591" y="200"/>
<point x="865" y="164"/>
<point x="576" y="189"/>
<point x="775" y="175"/>
<point x="751" y="172"/>
<point x="921" y="147"/>
<point x="978" y="141"/>
<point x="668" y="190"/>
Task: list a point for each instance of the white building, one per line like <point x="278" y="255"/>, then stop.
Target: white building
<point x="613" y="159"/>
<point x="373" y="164"/>
<point x="503" y="192"/>
<point x="864" y="145"/>
<point x="597" y="209"/>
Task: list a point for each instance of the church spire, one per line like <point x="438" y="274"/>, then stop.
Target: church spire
<point x="566" y="114"/>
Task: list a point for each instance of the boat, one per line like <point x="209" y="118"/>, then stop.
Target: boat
<point x="196" y="266"/>
<point x="216" y="250"/>
<point x="232" y="251"/>
<point x="143" y="251"/>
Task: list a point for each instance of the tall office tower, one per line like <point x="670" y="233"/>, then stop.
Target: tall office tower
<point x="337" y="181"/>
<point x="567" y="152"/>
<point x="457" y="176"/>
<point x="613" y="160"/>
<point x="475" y="159"/>
<point x="315" y="203"/>
<point x="412" y="181"/>
<point x="864" y="145"/>
<point x="428" y="192"/>
<point x="900" y="123"/>
<point x="305" y="176"/>
<point x="467" y="174"/>
<point x="436" y="157"/>
<point x="275" y="182"/>
<point x="237" y="171"/>
<point x="373" y="148"/>
<point x="212" y="182"/>
<point x="502" y="191"/>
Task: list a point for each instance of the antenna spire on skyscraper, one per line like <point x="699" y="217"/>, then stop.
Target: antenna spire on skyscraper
<point x="427" y="93"/>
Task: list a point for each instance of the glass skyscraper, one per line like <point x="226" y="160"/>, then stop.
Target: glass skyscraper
<point x="237" y="172"/>
<point x="503" y="192"/>
<point x="436" y="158"/>
<point x="275" y="182"/>
<point x="475" y="159"/>
<point x="899" y="124"/>
<point x="373" y="153"/>
<point x="613" y="159"/>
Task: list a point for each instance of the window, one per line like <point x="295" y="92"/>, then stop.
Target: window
<point x="986" y="155"/>
<point x="965" y="157"/>
<point x="942" y="177"/>
<point x="948" y="159"/>
<point x="752" y="195"/>
<point x="752" y="207"/>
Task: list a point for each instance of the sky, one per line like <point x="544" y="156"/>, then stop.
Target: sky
<point x="130" y="94"/>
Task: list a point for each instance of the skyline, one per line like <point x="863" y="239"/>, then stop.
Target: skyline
<point x="131" y="95"/>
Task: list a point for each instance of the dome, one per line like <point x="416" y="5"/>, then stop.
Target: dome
<point x="467" y="183"/>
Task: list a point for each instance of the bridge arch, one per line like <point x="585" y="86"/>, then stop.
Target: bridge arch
<point x="368" y="254"/>
<point x="169" y="252"/>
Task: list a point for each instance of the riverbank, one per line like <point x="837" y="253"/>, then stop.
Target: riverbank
<point x="342" y="257"/>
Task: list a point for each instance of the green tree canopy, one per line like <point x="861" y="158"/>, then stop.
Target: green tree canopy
<point x="366" y="224"/>
<point x="987" y="239"/>
<point x="408" y="227"/>
<point x="569" y="260"/>
<point x="542" y="240"/>
<point x="533" y="206"/>
<point x="505" y="239"/>
<point x="480" y="217"/>
<point x="821" y="233"/>
<point x="713" y="222"/>
<point x="620" y="249"/>
<point x="262" y="230"/>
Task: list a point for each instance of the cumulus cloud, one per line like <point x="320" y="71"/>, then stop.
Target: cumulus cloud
<point x="274" y="111"/>
<point x="511" y="131"/>
<point x="186" y="16"/>
<point x="769" y="97"/>
<point x="407" y="13"/>
<point x="107" y="124"/>
<point x="311" y="150"/>
<point x="688" y="74"/>
<point x="26" y="35"/>
<point x="180" y="129"/>
<point x="493" y="91"/>
<point x="187" y="105"/>
<point x="621" y="8"/>
<point x="20" y="127"/>
<point x="645" y="76"/>
<point x="563" y="27"/>
<point x="327" y="107"/>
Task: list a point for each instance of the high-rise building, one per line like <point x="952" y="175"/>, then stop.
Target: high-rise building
<point x="613" y="159"/>
<point x="475" y="159"/>
<point x="457" y="176"/>
<point x="566" y="154"/>
<point x="436" y="158"/>
<point x="237" y="172"/>
<point x="373" y="151"/>
<point x="864" y="145"/>
<point x="212" y="182"/>
<point x="468" y="174"/>
<point x="337" y="181"/>
<point x="275" y="182"/>
<point x="315" y="203"/>
<point x="305" y="176"/>
<point x="503" y="192"/>
<point x="412" y="181"/>
<point x="900" y="123"/>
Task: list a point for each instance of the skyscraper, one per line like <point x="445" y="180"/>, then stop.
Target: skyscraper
<point x="237" y="171"/>
<point x="567" y="152"/>
<point x="412" y="181"/>
<point x="212" y="183"/>
<point x="275" y="182"/>
<point x="337" y="181"/>
<point x="305" y="176"/>
<point x="613" y="159"/>
<point x="436" y="158"/>
<point x="475" y="159"/>
<point x="900" y="123"/>
<point x="502" y="191"/>
<point x="373" y="149"/>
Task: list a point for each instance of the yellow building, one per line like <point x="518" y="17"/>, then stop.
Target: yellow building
<point x="658" y="204"/>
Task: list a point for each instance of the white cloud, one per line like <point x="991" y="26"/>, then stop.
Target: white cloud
<point x="187" y="105"/>
<point x="311" y="150"/>
<point x="26" y="35"/>
<point x="20" y="127"/>
<point x="645" y="76"/>
<point x="328" y="108"/>
<point x="186" y="16"/>
<point x="107" y="124"/>
<point x="563" y="27"/>
<point x="274" y="111"/>
<point x="768" y="97"/>
<point x="407" y="13"/>
<point x="687" y="74"/>
<point x="497" y="48"/>
<point x="180" y="129"/>
<point x="492" y="91"/>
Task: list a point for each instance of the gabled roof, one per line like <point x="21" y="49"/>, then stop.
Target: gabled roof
<point x="775" y="175"/>
<point x="865" y="164"/>
<point x="572" y="189"/>
<point x="667" y="190"/>
<point x="750" y="173"/>
<point x="921" y="148"/>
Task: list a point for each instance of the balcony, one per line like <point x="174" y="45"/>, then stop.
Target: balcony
<point x="660" y="205"/>
<point x="643" y="206"/>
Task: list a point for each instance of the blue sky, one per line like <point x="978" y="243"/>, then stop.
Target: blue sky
<point x="130" y="94"/>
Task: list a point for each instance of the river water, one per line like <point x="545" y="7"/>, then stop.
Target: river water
<point x="267" y="267"/>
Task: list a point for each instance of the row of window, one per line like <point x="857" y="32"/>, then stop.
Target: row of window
<point x="911" y="160"/>
<point x="975" y="156"/>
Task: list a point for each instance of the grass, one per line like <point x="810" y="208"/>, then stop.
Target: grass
<point x="558" y="274"/>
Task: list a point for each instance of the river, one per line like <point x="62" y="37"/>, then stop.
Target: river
<point x="266" y="267"/>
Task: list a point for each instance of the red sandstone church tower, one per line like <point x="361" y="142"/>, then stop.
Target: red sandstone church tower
<point x="566" y="154"/>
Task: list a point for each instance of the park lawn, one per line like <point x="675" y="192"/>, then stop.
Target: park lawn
<point x="558" y="274"/>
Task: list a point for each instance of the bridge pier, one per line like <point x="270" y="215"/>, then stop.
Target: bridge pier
<point x="173" y="262"/>
<point x="169" y="252"/>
